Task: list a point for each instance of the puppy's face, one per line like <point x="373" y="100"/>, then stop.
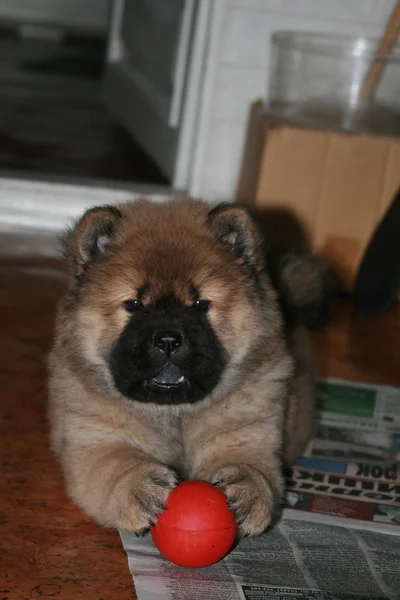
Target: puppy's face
<point x="167" y="300"/>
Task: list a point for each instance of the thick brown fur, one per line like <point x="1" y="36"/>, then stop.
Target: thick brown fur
<point x="121" y="457"/>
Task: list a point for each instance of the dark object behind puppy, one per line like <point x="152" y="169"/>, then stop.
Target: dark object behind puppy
<point x="178" y="354"/>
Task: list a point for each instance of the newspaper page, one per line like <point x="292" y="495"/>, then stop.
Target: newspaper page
<point x="297" y="560"/>
<point x="339" y="536"/>
<point x="351" y="467"/>
<point x="356" y="422"/>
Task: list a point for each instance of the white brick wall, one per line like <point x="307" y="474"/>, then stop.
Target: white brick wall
<point x="242" y="70"/>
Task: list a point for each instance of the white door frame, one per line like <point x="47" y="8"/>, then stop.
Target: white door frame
<point x="167" y="131"/>
<point x="193" y="99"/>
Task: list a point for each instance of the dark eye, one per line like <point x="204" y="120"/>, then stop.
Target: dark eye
<point x="202" y="304"/>
<point x="132" y="305"/>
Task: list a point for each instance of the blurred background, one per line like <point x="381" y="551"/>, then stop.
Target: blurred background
<point x="146" y="91"/>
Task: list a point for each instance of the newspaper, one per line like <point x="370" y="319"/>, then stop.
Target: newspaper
<point x="339" y="535"/>
<point x="351" y="467"/>
<point x="356" y="422"/>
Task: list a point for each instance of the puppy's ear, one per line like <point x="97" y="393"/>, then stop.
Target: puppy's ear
<point x="91" y="238"/>
<point x="237" y="232"/>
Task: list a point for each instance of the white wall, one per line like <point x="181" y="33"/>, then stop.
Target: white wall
<point x="91" y="15"/>
<point x="241" y="71"/>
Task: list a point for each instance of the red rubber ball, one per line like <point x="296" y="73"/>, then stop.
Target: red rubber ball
<point x="197" y="529"/>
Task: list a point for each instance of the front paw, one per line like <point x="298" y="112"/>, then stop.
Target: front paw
<point x="251" y="496"/>
<point x="143" y="497"/>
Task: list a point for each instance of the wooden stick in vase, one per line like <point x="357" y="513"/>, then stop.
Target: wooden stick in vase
<point x="386" y="44"/>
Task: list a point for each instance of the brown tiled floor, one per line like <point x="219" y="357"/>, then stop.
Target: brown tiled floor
<point x="47" y="547"/>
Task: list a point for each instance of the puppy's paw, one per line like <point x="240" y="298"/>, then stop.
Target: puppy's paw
<point x="144" y="497"/>
<point x="251" y="496"/>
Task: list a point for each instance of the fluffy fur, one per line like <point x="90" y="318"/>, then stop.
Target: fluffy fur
<point x="245" y="403"/>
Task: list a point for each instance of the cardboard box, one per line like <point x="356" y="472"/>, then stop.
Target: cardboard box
<point x="335" y="185"/>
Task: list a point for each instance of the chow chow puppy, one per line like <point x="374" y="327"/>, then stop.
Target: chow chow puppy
<point x="180" y="353"/>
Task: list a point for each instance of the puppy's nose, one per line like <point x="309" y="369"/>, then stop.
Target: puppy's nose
<point x="168" y="341"/>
